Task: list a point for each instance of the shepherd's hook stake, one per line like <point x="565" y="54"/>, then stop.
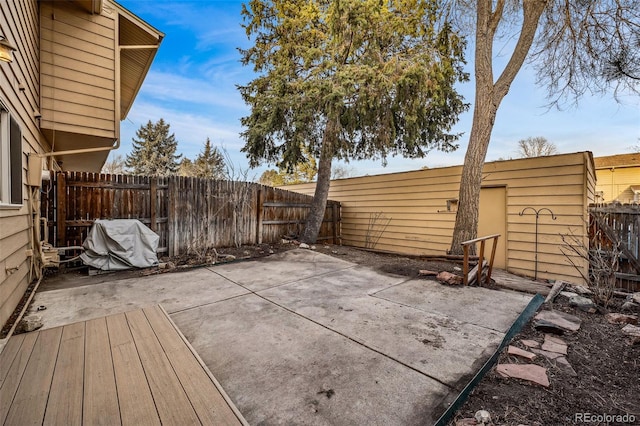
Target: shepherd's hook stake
<point x="537" y="213"/>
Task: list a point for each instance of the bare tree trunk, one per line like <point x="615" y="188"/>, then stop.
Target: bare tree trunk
<point x="466" y="227"/>
<point x="489" y="95"/>
<point x="319" y="203"/>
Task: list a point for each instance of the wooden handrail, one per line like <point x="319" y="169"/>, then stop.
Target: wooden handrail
<point x="466" y="243"/>
<point x="465" y="248"/>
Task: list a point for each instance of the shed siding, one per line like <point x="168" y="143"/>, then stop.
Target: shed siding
<point x="19" y="23"/>
<point x="78" y="59"/>
<point x="416" y="204"/>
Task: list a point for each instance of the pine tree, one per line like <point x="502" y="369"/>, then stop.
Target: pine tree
<point x="186" y="167"/>
<point x="349" y="79"/>
<point x="210" y="163"/>
<point x="154" y="151"/>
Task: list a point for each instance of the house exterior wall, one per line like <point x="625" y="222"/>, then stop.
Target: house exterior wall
<point x="64" y="78"/>
<point x="20" y="93"/>
<point x="78" y="66"/>
<point x="419" y="222"/>
<point x="614" y="184"/>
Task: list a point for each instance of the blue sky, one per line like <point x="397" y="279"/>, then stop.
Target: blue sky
<point x="192" y="85"/>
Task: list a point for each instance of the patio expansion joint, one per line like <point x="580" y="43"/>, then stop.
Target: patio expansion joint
<point x="189" y="308"/>
<point x="211" y="269"/>
<point x="358" y="342"/>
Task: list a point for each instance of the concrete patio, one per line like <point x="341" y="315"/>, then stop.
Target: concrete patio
<point x="305" y="338"/>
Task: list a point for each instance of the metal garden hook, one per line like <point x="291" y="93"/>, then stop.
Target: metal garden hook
<point x="537" y="213"/>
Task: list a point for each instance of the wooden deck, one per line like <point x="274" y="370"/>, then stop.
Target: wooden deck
<point x="134" y="368"/>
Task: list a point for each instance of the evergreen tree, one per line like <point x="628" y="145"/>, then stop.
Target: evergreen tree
<point x="154" y="151"/>
<point x="349" y="79"/>
<point x="210" y="163"/>
<point x="186" y="167"/>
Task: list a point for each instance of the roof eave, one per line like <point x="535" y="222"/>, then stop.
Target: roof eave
<point x="157" y="36"/>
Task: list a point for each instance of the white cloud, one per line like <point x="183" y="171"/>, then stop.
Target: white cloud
<point x="191" y="130"/>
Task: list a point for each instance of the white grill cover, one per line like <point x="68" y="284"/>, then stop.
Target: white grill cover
<point x="114" y="245"/>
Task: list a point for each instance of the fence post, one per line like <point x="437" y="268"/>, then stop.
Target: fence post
<point x="334" y="219"/>
<point x="153" y="190"/>
<point x="259" y="211"/>
<point x="171" y="226"/>
<point x="61" y="208"/>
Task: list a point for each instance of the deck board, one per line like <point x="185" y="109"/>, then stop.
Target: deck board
<point x="136" y="402"/>
<point x="199" y="387"/>
<point x="30" y="401"/>
<point x="65" y="398"/>
<point x="100" y="396"/>
<point x="171" y="400"/>
<point x="14" y="374"/>
<point x="134" y="369"/>
<point x="8" y="355"/>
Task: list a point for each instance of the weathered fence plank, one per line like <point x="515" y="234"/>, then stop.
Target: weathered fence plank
<point x="188" y="214"/>
<point x="61" y="210"/>
<point x="613" y="224"/>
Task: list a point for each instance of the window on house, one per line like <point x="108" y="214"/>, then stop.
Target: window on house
<point x="10" y="159"/>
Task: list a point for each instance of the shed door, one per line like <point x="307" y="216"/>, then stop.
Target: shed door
<point x="493" y="220"/>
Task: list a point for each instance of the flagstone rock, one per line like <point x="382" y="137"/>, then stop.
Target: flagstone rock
<point x="547" y="327"/>
<point x="512" y="350"/>
<point x="560" y="319"/>
<point x="581" y="302"/>
<point x="564" y="365"/>
<point x="530" y="372"/>
<point x="530" y="343"/>
<point x="615" y="318"/>
<point x="633" y="333"/>
<point x="554" y="344"/>
<point x="636" y="297"/>
<point x="546" y="354"/>
<point x="448" y="278"/>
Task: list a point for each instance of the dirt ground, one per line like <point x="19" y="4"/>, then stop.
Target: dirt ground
<point x="607" y="367"/>
<point x="408" y="266"/>
<point x="607" y="381"/>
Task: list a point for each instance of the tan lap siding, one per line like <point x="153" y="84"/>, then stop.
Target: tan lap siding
<point x="14" y="265"/>
<point x="20" y="92"/>
<point x="78" y="70"/>
<point x="416" y="204"/>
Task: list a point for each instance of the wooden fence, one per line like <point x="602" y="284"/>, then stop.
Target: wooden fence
<point x="613" y="224"/>
<point x="188" y="214"/>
